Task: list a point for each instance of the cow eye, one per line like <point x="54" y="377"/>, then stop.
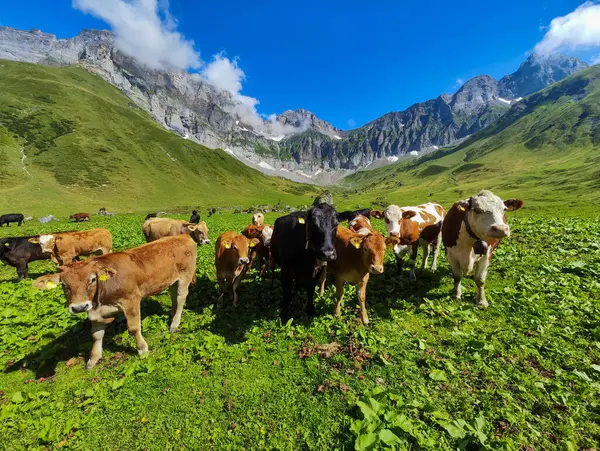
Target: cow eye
<point x="387" y="221"/>
<point x="478" y="211"/>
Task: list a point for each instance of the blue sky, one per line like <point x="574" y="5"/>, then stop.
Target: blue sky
<point x="348" y="62"/>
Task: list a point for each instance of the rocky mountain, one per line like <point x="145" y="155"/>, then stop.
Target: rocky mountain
<point x="296" y="144"/>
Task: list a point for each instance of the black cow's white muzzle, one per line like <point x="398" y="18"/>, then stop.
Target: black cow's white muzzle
<point x="80" y="308"/>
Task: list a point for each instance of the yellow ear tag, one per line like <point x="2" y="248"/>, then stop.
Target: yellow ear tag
<point x="7" y="244"/>
<point x="103" y="277"/>
<point x="227" y="245"/>
<point x="307" y="244"/>
<point x="252" y="244"/>
<point x="50" y="285"/>
<point x="301" y="220"/>
<point x="31" y="240"/>
<point x="461" y="208"/>
<point x="356" y="243"/>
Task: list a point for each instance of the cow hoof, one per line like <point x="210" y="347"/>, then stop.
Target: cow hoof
<point x="89" y="365"/>
<point x="142" y="352"/>
<point x="173" y="329"/>
<point x="482" y="304"/>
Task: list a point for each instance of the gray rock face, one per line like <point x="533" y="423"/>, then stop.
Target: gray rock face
<point x="195" y="109"/>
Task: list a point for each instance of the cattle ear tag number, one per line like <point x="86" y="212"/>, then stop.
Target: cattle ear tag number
<point x="252" y="244"/>
<point x="227" y="245"/>
<point x="301" y="220"/>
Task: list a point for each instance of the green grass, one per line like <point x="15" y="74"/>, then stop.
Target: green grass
<point x="88" y="146"/>
<point x="544" y="150"/>
<point x="429" y="372"/>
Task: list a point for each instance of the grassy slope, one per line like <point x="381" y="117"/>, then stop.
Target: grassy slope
<point x="545" y="150"/>
<point x="88" y="146"/>
<point x="522" y="375"/>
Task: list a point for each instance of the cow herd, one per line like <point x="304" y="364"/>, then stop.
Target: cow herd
<point x="307" y="246"/>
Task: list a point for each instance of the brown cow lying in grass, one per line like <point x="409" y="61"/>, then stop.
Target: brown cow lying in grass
<point x="117" y="282"/>
<point x="358" y="256"/>
<point x="64" y="247"/>
<point x="155" y="228"/>
<point x="232" y="261"/>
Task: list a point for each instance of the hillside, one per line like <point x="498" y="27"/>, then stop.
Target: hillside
<point x="545" y="149"/>
<point x="86" y="145"/>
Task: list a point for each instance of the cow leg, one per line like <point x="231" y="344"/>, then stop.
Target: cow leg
<point x="480" y="274"/>
<point x="98" y="329"/>
<point x="339" y="296"/>
<point x="361" y="288"/>
<point x="236" y="283"/>
<point x="412" y="259"/>
<point x="436" y="251"/>
<point x="400" y="251"/>
<point x="286" y="285"/>
<point x="457" y="274"/>
<point x="221" y="283"/>
<point x="134" y="325"/>
<point x="322" y="281"/>
<point x="179" y="291"/>
<point x="22" y="271"/>
<point x="426" y="249"/>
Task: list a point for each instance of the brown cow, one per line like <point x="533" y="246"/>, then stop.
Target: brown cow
<point x="65" y="247"/>
<point x="113" y="283"/>
<point x="263" y="249"/>
<point x="358" y="256"/>
<point x="80" y="217"/>
<point x="155" y="228"/>
<point x="258" y="219"/>
<point x="232" y="261"/>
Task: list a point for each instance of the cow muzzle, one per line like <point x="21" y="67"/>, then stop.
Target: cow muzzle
<point x="499" y="231"/>
<point x="376" y="269"/>
<point x="80" y="308"/>
<point x="243" y="261"/>
<point x="206" y="241"/>
<point x="328" y="255"/>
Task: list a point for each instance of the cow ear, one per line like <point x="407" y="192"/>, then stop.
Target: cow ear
<point x="254" y="242"/>
<point x="392" y="240"/>
<point x="32" y="240"/>
<point x="106" y="273"/>
<point x="191" y="227"/>
<point x="301" y="220"/>
<point x="513" y="204"/>
<point x="226" y="244"/>
<point x="409" y="214"/>
<point x="378" y="214"/>
<point x="356" y="242"/>
<point x="464" y="205"/>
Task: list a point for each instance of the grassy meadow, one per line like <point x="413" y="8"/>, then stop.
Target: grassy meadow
<point x="429" y="372"/>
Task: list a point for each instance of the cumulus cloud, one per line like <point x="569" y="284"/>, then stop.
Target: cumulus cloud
<point x="146" y="30"/>
<point x="579" y="29"/>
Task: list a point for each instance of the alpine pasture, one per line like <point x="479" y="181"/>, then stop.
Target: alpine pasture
<point x="429" y="372"/>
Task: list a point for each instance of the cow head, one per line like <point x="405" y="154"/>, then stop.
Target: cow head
<point x="392" y="216"/>
<point x="372" y="251"/>
<point x="253" y="231"/>
<point x="361" y="225"/>
<point x="239" y="246"/>
<point x="485" y="214"/>
<point x="321" y="226"/>
<point x="267" y="233"/>
<point x="258" y="219"/>
<point x="198" y="232"/>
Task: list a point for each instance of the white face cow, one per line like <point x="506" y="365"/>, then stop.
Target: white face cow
<point x="47" y="243"/>
<point x="258" y="219"/>
<point x="485" y="215"/>
<point x="392" y="216"/>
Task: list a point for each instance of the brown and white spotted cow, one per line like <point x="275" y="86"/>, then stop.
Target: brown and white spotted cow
<point x="232" y="261"/>
<point x="361" y="225"/>
<point x="117" y="282"/>
<point x="473" y="228"/>
<point x="258" y="219"/>
<point x="64" y="247"/>
<point x="358" y="256"/>
<point x="414" y="226"/>
<point x="156" y="228"/>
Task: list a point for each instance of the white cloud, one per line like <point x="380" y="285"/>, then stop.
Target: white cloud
<point x="145" y="30"/>
<point x="596" y="59"/>
<point x="579" y="29"/>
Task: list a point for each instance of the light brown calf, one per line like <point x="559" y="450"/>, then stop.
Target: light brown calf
<point x="155" y="228"/>
<point x="232" y="261"/>
<point x="358" y="256"/>
<point x="113" y="283"/>
<point x="258" y="219"/>
<point x="64" y="247"/>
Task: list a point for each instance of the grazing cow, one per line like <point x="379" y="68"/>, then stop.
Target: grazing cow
<point x="80" y="217"/>
<point x="155" y="228"/>
<point x="351" y="214"/>
<point x="358" y="256"/>
<point x="12" y="217"/>
<point x="361" y="225"/>
<point x="195" y="218"/>
<point x="473" y="228"/>
<point x="302" y="243"/>
<point x="232" y="261"/>
<point x="113" y="283"/>
<point x="258" y="219"/>
<point x="65" y="247"/>
<point x="413" y="226"/>
<point x="18" y="252"/>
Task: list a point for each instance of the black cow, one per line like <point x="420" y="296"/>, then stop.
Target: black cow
<point x="195" y="218"/>
<point x="150" y="215"/>
<point x="19" y="251"/>
<point x="350" y="215"/>
<point x="13" y="217"/>
<point x="301" y="243"/>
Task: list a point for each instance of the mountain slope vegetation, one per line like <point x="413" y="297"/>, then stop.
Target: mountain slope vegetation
<point x="544" y="149"/>
<point x="71" y="141"/>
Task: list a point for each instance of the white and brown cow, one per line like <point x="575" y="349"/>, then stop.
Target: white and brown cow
<point x="361" y="225"/>
<point x="155" y="228"/>
<point x="473" y="228"/>
<point x="414" y="226"/>
<point x="258" y="219"/>
<point x="64" y="247"/>
<point x="106" y="285"/>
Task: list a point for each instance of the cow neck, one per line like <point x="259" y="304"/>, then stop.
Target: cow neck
<point x="480" y="247"/>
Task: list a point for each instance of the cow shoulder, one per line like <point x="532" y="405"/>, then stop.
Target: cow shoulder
<point x="451" y="226"/>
